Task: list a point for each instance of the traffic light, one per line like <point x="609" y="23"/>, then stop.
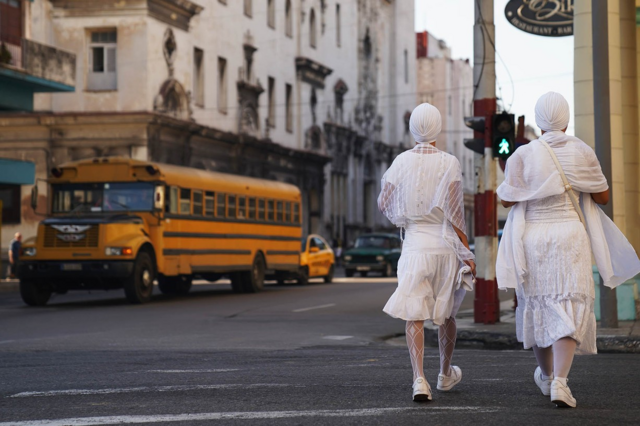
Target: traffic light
<point x="503" y="133"/>
<point x="479" y="125"/>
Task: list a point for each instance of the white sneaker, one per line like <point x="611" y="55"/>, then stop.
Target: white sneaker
<point x="561" y="395"/>
<point x="421" y="390"/>
<point x="446" y="383"/>
<point x="544" y="385"/>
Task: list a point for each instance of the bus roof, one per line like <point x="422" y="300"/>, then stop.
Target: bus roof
<point x="122" y="169"/>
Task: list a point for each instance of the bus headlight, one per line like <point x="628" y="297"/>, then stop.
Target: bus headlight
<point x="347" y="258"/>
<point x="379" y="258"/>
<point x="29" y="251"/>
<point x="118" y="251"/>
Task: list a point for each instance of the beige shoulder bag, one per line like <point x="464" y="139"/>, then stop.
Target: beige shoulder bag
<point x="565" y="181"/>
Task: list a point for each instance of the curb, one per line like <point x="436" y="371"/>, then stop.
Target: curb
<point x="9" y="286"/>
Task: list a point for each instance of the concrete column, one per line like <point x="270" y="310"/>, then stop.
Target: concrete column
<point x="583" y="72"/>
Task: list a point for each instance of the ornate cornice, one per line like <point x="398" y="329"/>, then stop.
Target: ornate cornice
<point x="312" y="72"/>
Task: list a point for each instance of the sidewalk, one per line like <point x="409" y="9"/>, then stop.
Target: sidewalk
<point x="9" y="285"/>
<point x="502" y="336"/>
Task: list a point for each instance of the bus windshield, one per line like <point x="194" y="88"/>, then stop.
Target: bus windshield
<point x="103" y="197"/>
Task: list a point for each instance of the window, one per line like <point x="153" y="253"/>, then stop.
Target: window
<point x="296" y="213"/>
<point x="406" y="66"/>
<point x="198" y="76"/>
<point x="173" y="200"/>
<point x="289" y="111"/>
<point x="288" y="19"/>
<point x="271" y="13"/>
<point x="222" y="85"/>
<point x="279" y="211"/>
<point x="270" y="210"/>
<point x="185" y="201"/>
<point x="449" y="105"/>
<point x="231" y="206"/>
<point x="319" y="243"/>
<point x="102" y="61"/>
<point x="261" y="205"/>
<point x="209" y="203"/>
<point x="313" y="33"/>
<point x="242" y="207"/>
<point x="287" y="212"/>
<point x="338" y="29"/>
<point x="248" y="8"/>
<point x="197" y="203"/>
<point x="252" y="209"/>
<point x="272" y="102"/>
<point x="10" y="196"/>
<point x="221" y="205"/>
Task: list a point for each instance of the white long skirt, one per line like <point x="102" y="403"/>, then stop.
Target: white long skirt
<point x="426" y="278"/>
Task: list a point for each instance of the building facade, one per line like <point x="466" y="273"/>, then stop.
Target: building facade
<point x="447" y="84"/>
<point x="310" y="92"/>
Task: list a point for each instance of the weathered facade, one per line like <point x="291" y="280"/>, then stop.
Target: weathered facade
<point x="311" y="92"/>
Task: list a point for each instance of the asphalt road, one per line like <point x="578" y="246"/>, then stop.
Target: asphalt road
<point x="288" y="356"/>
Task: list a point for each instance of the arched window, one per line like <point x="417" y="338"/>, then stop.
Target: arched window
<point x="271" y="13"/>
<point x="313" y="32"/>
<point x="288" y="19"/>
<point x="248" y="8"/>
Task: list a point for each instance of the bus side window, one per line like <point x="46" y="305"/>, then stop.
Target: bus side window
<point x="221" y="205"/>
<point x="252" y="208"/>
<point x="197" y="203"/>
<point x="242" y="206"/>
<point x="296" y="212"/>
<point x="172" y="201"/>
<point x="209" y="203"/>
<point x="279" y="217"/>
<point x="185" y="201"/>
<point x="270" y="212"/>
<point x="261" y="206"/>
<point x="287" y="212"/>
<point x="231" y="206"/>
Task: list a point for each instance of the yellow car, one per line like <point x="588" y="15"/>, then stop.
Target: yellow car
<point x="316" y="260"/>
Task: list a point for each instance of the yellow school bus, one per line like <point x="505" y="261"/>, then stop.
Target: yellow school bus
<point x="122" y="223"/>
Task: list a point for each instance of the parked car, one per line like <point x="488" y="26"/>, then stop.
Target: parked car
<point x="316" y="260"/>
<point x="373" y="253"/>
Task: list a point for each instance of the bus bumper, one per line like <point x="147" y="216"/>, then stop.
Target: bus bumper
<point x="98" y="271"/>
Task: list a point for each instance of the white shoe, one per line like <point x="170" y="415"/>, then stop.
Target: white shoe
<point x="544" y="385"/>
<point x="561" y="395"/>
<point x="446" y="383"/>
<point x="421" y="390"/>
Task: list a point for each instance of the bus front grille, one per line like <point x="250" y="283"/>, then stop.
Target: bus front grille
<point x="53" y="238"/>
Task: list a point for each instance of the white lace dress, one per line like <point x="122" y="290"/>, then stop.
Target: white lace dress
<point x="557" y="296"/>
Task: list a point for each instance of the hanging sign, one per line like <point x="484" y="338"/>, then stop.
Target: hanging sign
<point x="550" y="18"/>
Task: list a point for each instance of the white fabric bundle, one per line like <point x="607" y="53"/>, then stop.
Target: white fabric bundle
<point x="531" y="174"/>
<point x="425" y="123"/>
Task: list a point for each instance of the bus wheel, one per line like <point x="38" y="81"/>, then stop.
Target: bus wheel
<point x="139" y="286"/>
<point x="303" y="276"/>
<point x="176" y="286"/>
<point x="254" y="280"/>
<point x="328" y="279"/>
<point x="33" y="293"/>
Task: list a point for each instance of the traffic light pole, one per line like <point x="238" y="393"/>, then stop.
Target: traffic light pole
<point x="486" y="306"/>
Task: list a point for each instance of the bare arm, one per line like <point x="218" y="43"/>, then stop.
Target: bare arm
<point x="463" y="238"/>
<point x="601" y="197"/>
<point x="10" y="256"/>
<point x="507" y="204"/>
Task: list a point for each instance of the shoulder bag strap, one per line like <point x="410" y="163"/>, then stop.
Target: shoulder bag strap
<point x="565" y="181"/>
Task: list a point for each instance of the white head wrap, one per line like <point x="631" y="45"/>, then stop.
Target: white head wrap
<point x="552" y="112"/>
<point x="425" y="123"/>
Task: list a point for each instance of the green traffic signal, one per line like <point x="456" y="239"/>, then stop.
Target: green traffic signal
<point x="505" y="148"/>
<point x="503" y="135"/>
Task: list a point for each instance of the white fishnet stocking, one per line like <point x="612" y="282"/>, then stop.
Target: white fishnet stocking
<point x="415" y="343"/>
<point x="447" y="334"/>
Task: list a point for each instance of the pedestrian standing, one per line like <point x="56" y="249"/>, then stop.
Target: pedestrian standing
<point x="14" y="254"/>
<point x="338" y="253"/>
<point x="553" y="184"/>
<point x="422" y="192"/>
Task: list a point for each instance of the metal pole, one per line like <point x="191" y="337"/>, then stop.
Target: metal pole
<point x="486" y="306"/>
<point x="602" y="112"/>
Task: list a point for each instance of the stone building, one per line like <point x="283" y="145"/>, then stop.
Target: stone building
<point x="447" y="84"/>
<point x="310" y="92"/>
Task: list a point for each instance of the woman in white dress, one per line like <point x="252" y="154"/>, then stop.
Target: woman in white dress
<point x="422" y="192"/>
<point x="545" y="252"/>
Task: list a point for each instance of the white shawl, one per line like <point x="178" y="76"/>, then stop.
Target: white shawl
<point x="531" y="174"/>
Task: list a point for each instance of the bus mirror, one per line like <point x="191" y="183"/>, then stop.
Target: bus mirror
<point x="34" y="197"/>
<point x="158" y="198"/>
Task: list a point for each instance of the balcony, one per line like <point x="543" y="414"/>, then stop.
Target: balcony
<point x="27" y="67"/>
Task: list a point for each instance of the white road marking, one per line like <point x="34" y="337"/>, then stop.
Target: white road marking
<point x="314" y="307"/>
<point x="6" y="341"/>
<point x="178" y="388"/>
<point x="220" y="370"/>
<point x="251" y="415"/>
<point x="337" y="337"/>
